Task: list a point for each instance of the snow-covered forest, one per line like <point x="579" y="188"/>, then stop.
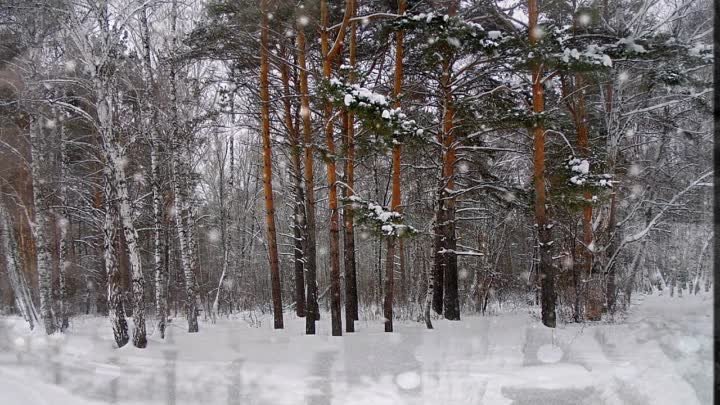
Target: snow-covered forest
<point x="356" y="201"/>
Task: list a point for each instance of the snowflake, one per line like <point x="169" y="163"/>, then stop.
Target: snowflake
<point x="538" y="32"/>
<point x="584" y="19"/>
<point x="62" y="223"/>
<point x="303" y="20"/>
<point x="463" y="274"/>
<point x="70" y="66"/>
<point x="139" y="178"/>
<point x="408" y="380"/>
<point x="549" y="354"/>
<point x="213" y="235"/>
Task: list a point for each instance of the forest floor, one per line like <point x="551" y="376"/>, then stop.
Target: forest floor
<point x="660" y="353"/>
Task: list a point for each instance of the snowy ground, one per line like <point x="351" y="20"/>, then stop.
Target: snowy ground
<point x="660" y="354"/>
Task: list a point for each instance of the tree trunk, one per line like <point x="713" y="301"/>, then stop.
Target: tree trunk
<point x="63" y="260"/>
<point x="451" y="300"/>
<point x="351" y="294"/>
<point x="39" y="229"/>
<point x="695" y="286"/>
<point x="267" y="168"/>
<point x="18" y="284"/>
<point x="313" y="313"/>
<point x="131" y="238"/>
<point x="395" y="199"/>
<point x="546" y="271"/>
<point x="593" y="298"/>
<point x="429" y="297"/>
<point x="150" y="119"/>
<point x="611" y="276"/>
<point x="439" y="263"/>
<point x="298" y="222"/>
<point x="180" y="173"/>
<point x="329" y="55"/>
<point x="116" y="313"/>
<point x="403" y="288"/>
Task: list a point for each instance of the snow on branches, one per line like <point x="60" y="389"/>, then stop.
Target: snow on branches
<point x="375" y="111"/>
<point x="448" y="33"/>
<point x="379" y="219"/>
<point x="581" y="176"/>
<point x="581" y="181"/>
<point x="564" y="48"/>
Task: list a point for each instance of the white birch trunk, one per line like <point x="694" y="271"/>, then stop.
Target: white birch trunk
<point x="182" y="226"/>
<point x="226" y="215"/>
<point x="115" y="159"/>
<point x="149" y="119"/>
<point x="39" y="228"/>
<point x="695" y="287"/>
<point x="180" y="174"/>
<point x="63" y="224"/>
<point x="116" y="312"/>
<point x="23" y="299"/>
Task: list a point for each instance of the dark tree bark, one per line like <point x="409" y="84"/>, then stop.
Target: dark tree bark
<point x="298" y="223"/>
<point x="351" y="293"/>
<point x="311" y="295"/>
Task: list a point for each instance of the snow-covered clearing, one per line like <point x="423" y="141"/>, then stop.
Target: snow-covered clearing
<point x="660" y="354"/>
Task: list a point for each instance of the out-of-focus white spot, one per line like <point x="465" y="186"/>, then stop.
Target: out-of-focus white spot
<point x="538" y="32"/>
<point x="19" y="342"/>
<point x="122" y="162"/>
<point x="549" y="354"/>
<point x="636" y="190"/>
<point x="70" y="66"/>
<point x="63" y="223"/>
<point x="463" y="274"/>
<point x="139" y="178"/>
<point x="213" y="235"/>
<point x="408" y="380"/>
<point x="688" y="344"/>
<point x="584" y="19"/>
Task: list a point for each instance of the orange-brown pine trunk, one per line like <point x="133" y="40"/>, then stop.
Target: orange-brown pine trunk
<point x="395" y="198"/>
<point x="546" y="272"/>
<point x="267" y="168"/>
<point x="329" y="55"/>
<point x="311" y="291"/>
